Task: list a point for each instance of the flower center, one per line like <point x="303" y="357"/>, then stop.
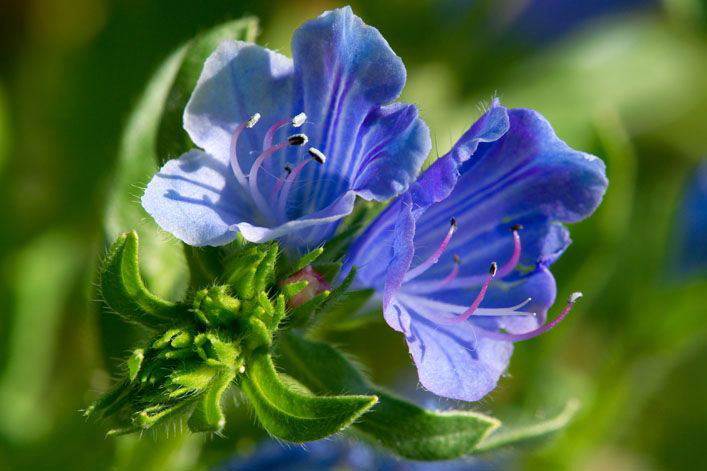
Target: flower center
<point x="274" y="210"/>
<point x="453" y="281"/>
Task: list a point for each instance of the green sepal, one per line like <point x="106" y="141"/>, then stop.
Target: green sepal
<point x="290" y="290"/>
<point x="266" y="268"/>
<point x="292" y="415"/>
<point x="124" y="291"/>
<point x="135" y="363"/>
<point x="305" y="260"/>
<point x="172" y="140"/>
<point x="328" y="270"/>
<point x="515" y="435"/>
<point x="208" y="415"/>
<point x="215" y="306"/>
<point x="301" y="314"/>
<point x="402" y="427"/>
<point x="338" y="316"/>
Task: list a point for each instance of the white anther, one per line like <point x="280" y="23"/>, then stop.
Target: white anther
<point x="253" y="120"/>
<point x="299" y="120"/>
<point x="574" y="297"/>
<point x="297" y="139"/>
<point x="317" y="155"/>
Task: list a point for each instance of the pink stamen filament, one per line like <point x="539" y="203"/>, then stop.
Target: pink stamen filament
<point x="432" y="286"/>
<point x="278" y="185"/>
<point x="452" y="274"/>
<point x="235" y="166"/>
<point x="432" y="259"/>
<point x="285" y="193"/>
<point x="540" y="330"/>
<point x="253" y="176"/>
<point x="479" y="297"/>
<point x="515" y="258"/>
<point x="267" y="140"/>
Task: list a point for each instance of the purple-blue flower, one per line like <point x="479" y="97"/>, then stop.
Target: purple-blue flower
<point x="341" y="454"/>
<point x="691" y="226"/>
<point x="461" y="259"/>
<point x="286" y="145"/>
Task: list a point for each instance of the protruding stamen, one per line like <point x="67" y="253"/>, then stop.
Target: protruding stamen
<point x="253" y="176"/>
<point x="317" y="155"/>
<point x="432" y="259"/>
<point x="297" y="139"/>
<point x="515" y="258"/>
<point x="282" y="200"/>
<point x="452" y="274"/>
<point x="279" y="183"/>
<point x="540" y="330"/>
<point x="479" y="297"/>
<point x="296" y="122"/>
<point x="235" y="166"/>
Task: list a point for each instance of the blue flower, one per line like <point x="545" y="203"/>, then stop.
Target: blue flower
<point x="288" y="144"/>
<point x="691" y="237"/>
<point x="340" y="454"/>
<point x="457" y="231"/>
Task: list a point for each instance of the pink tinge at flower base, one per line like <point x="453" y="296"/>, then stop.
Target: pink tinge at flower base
<point x="317" y="284"/>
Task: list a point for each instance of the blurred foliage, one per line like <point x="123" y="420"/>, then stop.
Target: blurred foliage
<point x="624" y="80"/>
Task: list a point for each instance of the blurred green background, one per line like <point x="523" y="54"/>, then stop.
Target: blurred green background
<point x="625" y="80"/>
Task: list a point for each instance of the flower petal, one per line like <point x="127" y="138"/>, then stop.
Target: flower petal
<point x="371" y="253"/>
<point x="345" y="71"/>
<point x="392" y="145"/>
<point x="691" y="227"/>
<point x="196" y="199"/>
<point x="239" y="79"/>
<point x="452" y="361"/>
<point x="326" y="218"/>
<point x="530" y="177"/>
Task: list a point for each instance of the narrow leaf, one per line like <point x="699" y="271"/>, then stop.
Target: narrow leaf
<point x="519" y="435"/>
<point x="408" y="430"/>
<point x="125" y="292"/>
<point x="291" y="415"/>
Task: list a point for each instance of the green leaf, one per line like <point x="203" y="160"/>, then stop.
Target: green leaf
<point x="124" y="291"/>
<point x="172" y="140"/>
<point x="525" y="434"/>
<point x="406" y="429"/>
<point x="135" y="363"/>
<point x="162" y="263"/>
<point x="208" y="416"/>
<point x="291" y="415"/>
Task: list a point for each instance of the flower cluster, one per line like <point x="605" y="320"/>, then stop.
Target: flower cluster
<point x="459" y="259"/>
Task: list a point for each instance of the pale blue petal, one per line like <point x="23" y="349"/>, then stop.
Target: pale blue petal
<point x="452" y="360"/>
<point x="238" y="80"/>
<point x="196" y="199"/>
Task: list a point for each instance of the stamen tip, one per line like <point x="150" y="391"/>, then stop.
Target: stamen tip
<point x="253" y="120"/>
<point x="297" y="139"/>
<point x="453" y="223"/>
<point x="317" y="155"/>
<point x="299" y="120"/>
<point x="574" y="297"/>
<point x="516" y="227"/>
<point x="288" y="169"/>
<point x="493" y="269"/>
<point x="457" y="259"/>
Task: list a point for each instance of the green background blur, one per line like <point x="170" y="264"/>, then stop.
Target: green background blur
<point x="625" y="80"/>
